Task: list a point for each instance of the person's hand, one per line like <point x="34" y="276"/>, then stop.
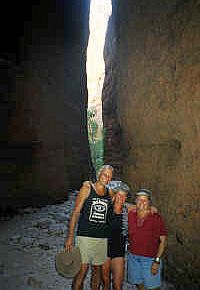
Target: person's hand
<point x="118" y="199"/>
<point x="154" y="209"/>
<point x="69" y="243"/>
<point x="118" y="203"/>
<point x="154" y="268"/>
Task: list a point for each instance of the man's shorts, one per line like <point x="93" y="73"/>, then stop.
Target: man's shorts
<point x="139" y="271"/>
<point x="93" y="250"/>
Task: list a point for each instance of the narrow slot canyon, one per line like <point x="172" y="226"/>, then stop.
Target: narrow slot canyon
<point x="151" y="124"/>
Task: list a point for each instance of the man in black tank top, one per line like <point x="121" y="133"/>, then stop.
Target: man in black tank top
<point x="93" y="212"/>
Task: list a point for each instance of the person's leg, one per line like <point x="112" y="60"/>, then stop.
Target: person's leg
<point x="96" y="277"/>
<point x="140" y="286"/>
<point x="117" y="268"/>
<point x="105" y="272"/>
<point x="98" y="254"/>
<point x="78" y="280"/>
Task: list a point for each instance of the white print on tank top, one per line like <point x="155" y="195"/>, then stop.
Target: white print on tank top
<point x="98" y="210"/>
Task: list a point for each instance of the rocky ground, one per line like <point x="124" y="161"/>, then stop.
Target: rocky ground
<point x="29" y="242"/>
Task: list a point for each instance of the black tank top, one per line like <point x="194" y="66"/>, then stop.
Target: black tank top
<point x="95" y="217"/>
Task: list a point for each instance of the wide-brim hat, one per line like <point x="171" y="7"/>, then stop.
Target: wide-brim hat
<point x="68" y="263"/>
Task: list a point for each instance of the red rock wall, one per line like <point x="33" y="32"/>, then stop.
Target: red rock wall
<point x="113" y="153"/>
<point x="157" y="73"/>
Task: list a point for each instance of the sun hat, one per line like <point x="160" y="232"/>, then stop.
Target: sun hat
<point x="144" y="192"/>
<point x="68" y="263"/>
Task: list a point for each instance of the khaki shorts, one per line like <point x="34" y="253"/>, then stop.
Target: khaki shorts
<point x="93" y="250"/>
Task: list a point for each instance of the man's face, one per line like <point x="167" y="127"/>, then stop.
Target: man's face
<point x="142" y="202"/>
<point x="105" y="176"/>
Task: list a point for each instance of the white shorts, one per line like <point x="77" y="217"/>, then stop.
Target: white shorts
<point x="93" y="250"/>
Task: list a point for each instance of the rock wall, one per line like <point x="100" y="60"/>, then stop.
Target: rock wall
<point x="43" y="148"/>
<point x="113" y="153"/>
<point x="156" y="87"/>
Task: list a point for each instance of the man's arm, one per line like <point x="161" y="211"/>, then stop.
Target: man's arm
<point x="83" y="194"/>
<point x="132" y="206"/>
<point x="161" y="248"/>
<point x="111" y="193"/>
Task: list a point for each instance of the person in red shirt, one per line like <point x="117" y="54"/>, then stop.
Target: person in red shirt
<point x="147" y="241"/>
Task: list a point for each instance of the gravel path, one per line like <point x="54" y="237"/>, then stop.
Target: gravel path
<point x="28" y="245"/>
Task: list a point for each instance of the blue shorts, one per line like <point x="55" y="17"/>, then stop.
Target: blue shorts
<point x="139" y="272"/>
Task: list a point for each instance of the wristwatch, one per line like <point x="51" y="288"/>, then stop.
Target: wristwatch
<point x="157" y="260"/>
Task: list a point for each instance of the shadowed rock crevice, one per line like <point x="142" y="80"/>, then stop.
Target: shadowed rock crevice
<point x="44" y="148"/>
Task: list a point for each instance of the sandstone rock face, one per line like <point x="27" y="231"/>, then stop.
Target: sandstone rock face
<point x="113" y="154"/>
<point x="44" y="149"/>
<point x="156" y="72"/>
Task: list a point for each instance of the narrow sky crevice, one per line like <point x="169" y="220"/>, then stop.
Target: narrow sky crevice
<point x="100" y="11"/>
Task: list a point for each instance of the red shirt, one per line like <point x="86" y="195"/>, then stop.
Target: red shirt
<point x="144" y="237"/>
